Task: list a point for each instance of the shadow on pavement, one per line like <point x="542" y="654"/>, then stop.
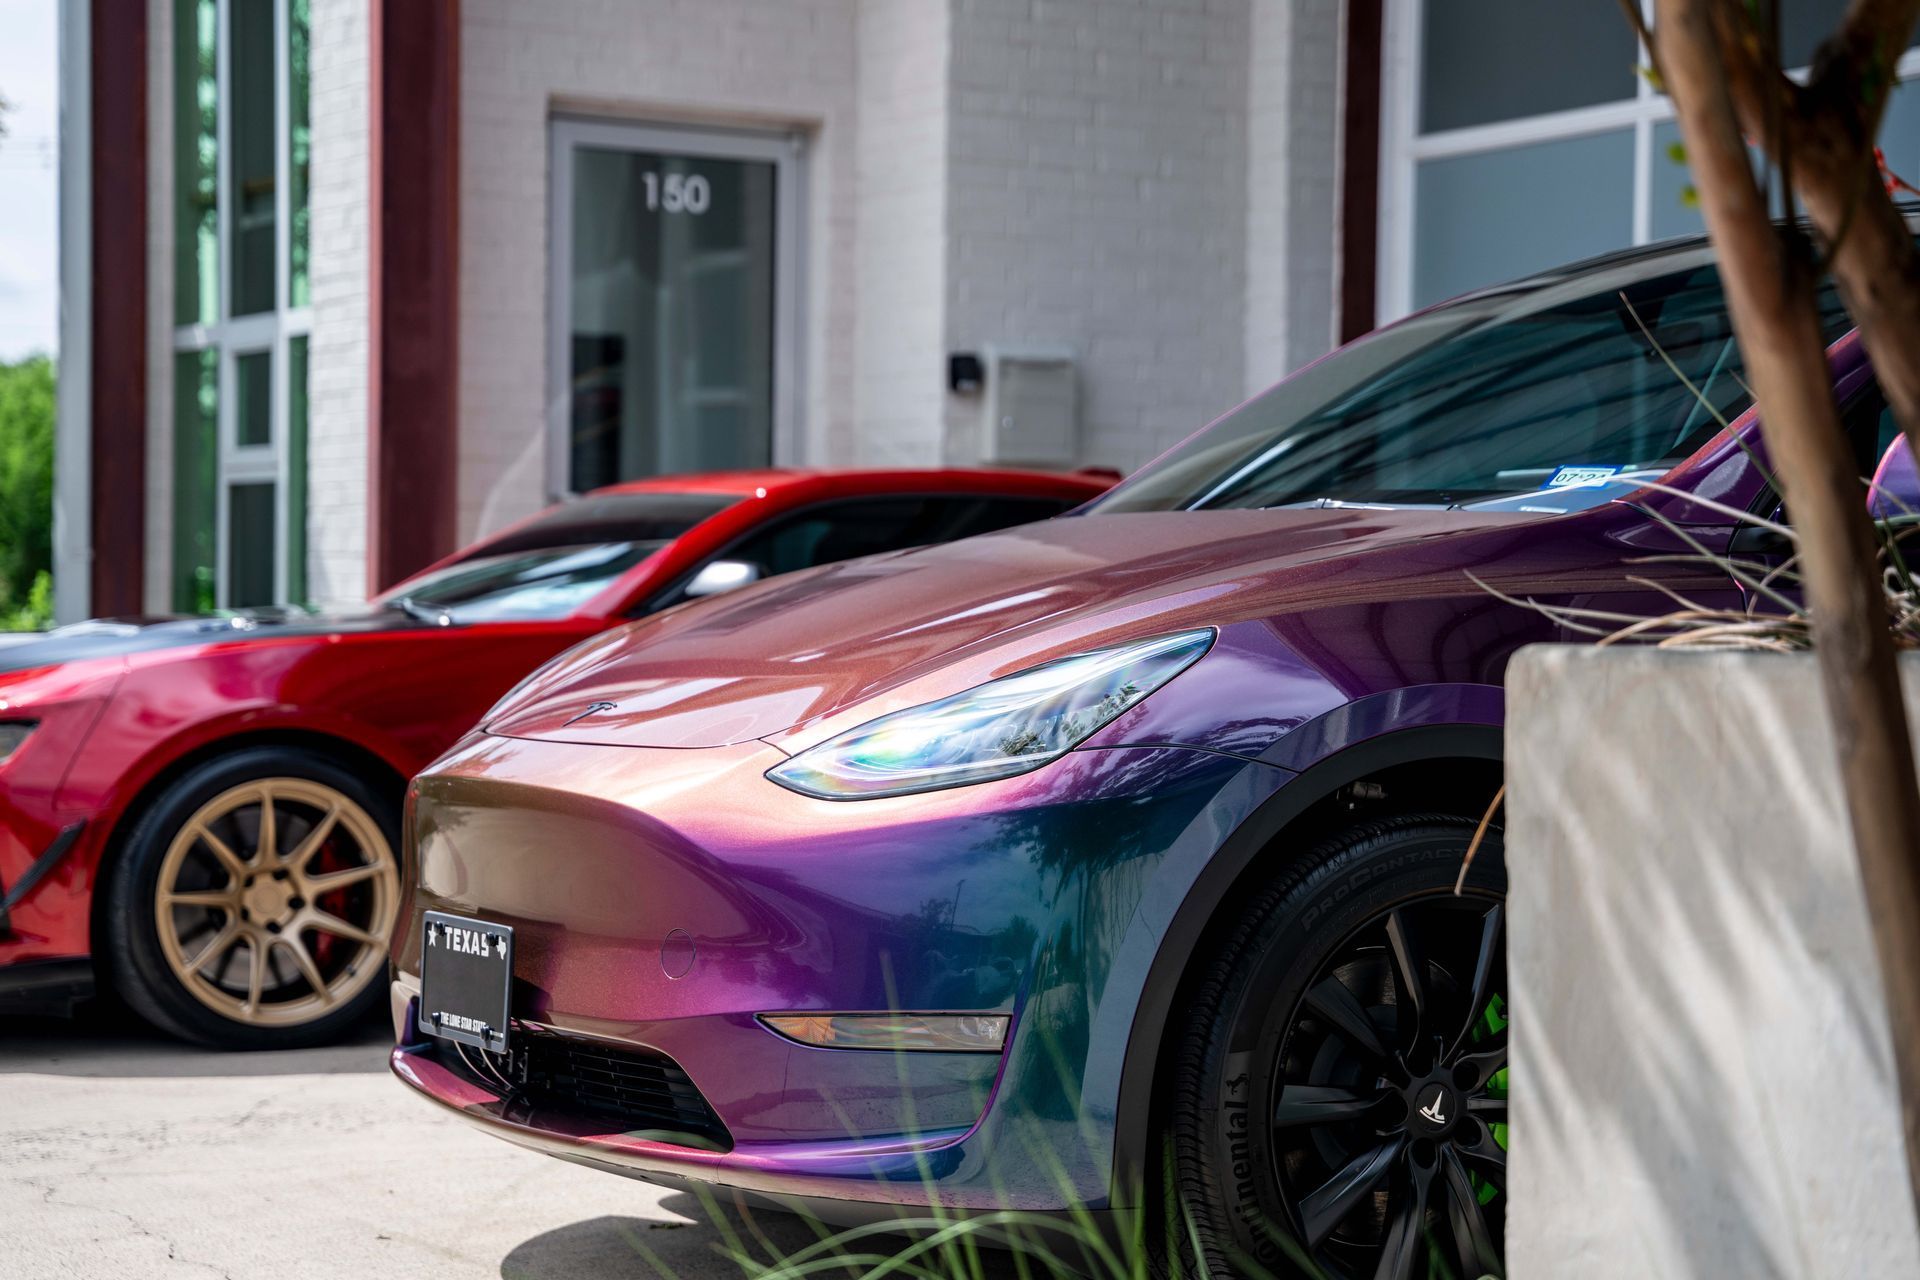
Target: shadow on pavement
<point x="612" y="1248"/>
<point x="104" y="1039"/>
<point x="705" y="1248"/>
<point x="607" y="1248"/>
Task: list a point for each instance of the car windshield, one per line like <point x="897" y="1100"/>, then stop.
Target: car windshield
<point x="549" y="582"/>
<point x="1617" y="373"/>
<point x="557" y="561"/>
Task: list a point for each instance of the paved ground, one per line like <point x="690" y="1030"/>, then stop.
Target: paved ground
<point x="125" y="1154"/>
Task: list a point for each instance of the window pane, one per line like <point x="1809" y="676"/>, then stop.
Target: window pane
<point x="196" y="245"/>
<point x="838" y="531"/>
<point x="250" y="132"/>
<point x="1805" y="23"/>
<point x="253" y="382"/>
<point x="1487" y="60"/>
<point x="1900" y="133"/>
<point x="196" y="402"/>
<point x="1484" y="219"/>
<point x="250" y="543"/>
<point x="1672" y="214"/>
<point x="865" y="527"/>
<point x="671" y="330"/>
<point x="297" y="470"/>
<point x="299" y="148"/>
<point x="1004" y="513"/>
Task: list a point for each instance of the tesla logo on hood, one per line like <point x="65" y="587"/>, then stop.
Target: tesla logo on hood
<point x="593" y="708"/>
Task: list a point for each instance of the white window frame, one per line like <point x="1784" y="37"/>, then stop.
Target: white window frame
<point x="270" y="331"/>
<point x="1403" y="147"/>
<point x="788" y="154"/>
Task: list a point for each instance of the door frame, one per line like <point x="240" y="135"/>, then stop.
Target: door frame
<point x="786" y="150"/>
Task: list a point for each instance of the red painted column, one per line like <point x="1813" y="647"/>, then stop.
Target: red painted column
<point x="117" y="101"/>
<point x="1360" y="170"/>
<point x="413" y="446"/>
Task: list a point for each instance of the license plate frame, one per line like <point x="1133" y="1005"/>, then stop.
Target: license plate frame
<point x="466" y="980"/>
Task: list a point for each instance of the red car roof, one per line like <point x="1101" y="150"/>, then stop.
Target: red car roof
<point x="788" y="486"/>
<point x="746" y="482"/>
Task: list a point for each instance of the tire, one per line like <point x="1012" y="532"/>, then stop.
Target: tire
<point x="1344" y="1127"/>
<point x="256" y="947"/>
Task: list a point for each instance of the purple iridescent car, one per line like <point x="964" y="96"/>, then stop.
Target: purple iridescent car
<point x="1021" y="870"/>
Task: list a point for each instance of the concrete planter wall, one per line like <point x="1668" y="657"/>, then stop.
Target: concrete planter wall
<point x="1702" y="1079"/>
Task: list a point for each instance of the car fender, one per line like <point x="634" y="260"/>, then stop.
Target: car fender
<point x="110" y="801"/>
<point x="1339" y="748"/>
<point x="266" y="719"/>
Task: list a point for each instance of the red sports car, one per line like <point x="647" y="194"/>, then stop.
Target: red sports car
<point x="204" y="812"/>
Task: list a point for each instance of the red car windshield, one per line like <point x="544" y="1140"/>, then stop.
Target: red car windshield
<point x="550" y="582"/>
<point x="553" y="564"/>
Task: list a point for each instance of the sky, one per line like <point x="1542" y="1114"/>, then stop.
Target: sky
<point x="29" y="195"/>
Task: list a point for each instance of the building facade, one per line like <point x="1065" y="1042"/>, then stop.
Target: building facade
<point x="347" y="283"/>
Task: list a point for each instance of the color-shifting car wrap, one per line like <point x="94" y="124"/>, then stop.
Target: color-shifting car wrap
<point x="1128" y="837"/>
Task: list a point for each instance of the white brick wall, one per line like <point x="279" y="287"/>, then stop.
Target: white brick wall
<point x="338" y="350"/>
<point x="708" y="61"/>
<point x="1151" y="183"/>
<point x="1292" y="185"/>
<point x="158" y="585"/>
<point x="1097" y="200"/>
<point x="900" y="223"/>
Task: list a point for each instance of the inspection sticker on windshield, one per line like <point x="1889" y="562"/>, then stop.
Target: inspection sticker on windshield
<point x="1571" y="477"/>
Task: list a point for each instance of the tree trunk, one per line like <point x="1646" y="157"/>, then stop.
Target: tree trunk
<point x="1878" y="272"/>
<point x="1822" y="136"/>
<point x="1770" y="278"/>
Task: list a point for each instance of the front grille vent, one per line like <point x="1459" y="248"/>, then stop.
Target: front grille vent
<point x="640" y="1088"/>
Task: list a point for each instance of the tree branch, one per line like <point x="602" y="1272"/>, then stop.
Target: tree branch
<point x="1821" y="136"/>
<point x="1765" y="100"/>
<point x="1857" y="66"/>
<point x="1869" y="245"/>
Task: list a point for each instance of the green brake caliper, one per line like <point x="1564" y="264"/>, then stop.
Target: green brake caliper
<point x="1492" y="1022"/>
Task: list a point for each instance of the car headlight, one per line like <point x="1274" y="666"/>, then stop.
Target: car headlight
<point x="12" y="734"/>
<point x="996" y="730"/>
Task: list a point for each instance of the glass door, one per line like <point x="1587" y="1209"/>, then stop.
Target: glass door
<point x="671" y="347"/>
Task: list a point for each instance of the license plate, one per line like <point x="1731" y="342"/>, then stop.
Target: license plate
<point x="466" y="975"/>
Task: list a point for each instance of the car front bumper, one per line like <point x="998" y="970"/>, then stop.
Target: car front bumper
<point x="51" y="833"/>
<point x="661" y="899"/>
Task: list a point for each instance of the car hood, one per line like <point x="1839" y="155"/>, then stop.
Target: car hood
<point x="123" y="637"/>
<point x="789" y="656"/>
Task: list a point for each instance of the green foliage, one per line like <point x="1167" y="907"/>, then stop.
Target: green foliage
<point x="26" y="492"/>
<point x="36" y="614"/>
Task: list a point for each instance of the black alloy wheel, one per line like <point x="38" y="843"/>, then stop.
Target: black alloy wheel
<point x="1341" y="1107"/>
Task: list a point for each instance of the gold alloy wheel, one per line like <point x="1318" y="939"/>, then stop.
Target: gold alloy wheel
<point x="275" y="901"/>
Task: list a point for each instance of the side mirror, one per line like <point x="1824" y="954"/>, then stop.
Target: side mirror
<point x="1752" y="540"/>
<point x="721" y="576"/>
<point x="1896" y="484"/>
